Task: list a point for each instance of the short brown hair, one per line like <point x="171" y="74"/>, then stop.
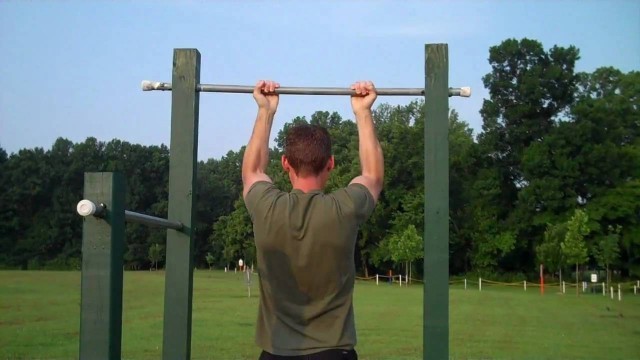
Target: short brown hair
<point x="307" y="148"/>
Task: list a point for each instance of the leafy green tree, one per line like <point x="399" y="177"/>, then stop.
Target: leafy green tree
<point x="573" y="246"/>
<point x="529" y="87"/>
<point x="156" y="254"/>
<point x="549" y="252"/>
<point x="210" y="260"/>
<point x="607" y="249"/>
<point x="403" y="246"/>
<point x="234" y="234"/>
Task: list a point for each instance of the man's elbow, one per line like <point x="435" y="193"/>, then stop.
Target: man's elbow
<point x="375" y="177"/>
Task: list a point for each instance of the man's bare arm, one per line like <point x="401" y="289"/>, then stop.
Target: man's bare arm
<point x="371" y="157"/>
<point x="256" y="155"/>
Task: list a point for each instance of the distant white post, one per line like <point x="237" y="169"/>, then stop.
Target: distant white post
<point x="619" y="293"/>
<point x="480" y="284"/>
<point x="376" y="279"/>
<point x="525" y="285"/>
<point x="563" y="288"/>
<point x="611" y="292"/>
<point x="465" y="285"/>
<point x="603" y="290"/>
<point x="247" y="271"/>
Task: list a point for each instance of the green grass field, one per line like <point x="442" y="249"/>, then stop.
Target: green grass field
<point x="40" y="314"/>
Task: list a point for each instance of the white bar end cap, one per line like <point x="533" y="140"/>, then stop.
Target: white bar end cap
<point x="86" y="207"/>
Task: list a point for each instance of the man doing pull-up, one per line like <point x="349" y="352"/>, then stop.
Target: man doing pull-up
<point x="305" y="239"/>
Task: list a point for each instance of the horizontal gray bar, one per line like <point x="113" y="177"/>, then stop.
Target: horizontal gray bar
<point x="241" y="89"/>
<point x="87" y="207"/>
<point x="135" y="217"/>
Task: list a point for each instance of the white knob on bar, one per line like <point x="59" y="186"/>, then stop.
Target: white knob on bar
<point x="465" y="91"/>
<point x="154" y="85"/>
<point x="87" y="207"/>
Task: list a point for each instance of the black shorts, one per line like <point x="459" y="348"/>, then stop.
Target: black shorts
<point x="332" y="354"/>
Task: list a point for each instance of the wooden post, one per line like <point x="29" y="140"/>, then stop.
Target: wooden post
<point x="435" y="338"/>
<point x="102" y="261"/>
<point x="178" y="291"/>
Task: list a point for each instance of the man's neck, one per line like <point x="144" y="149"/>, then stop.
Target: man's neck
<point x="308" y="184"/>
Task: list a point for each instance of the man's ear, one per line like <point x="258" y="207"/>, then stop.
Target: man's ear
<point x="285" y="163"/>
<point x="331" y="164"/>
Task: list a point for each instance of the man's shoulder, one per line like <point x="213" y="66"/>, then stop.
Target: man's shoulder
<point x="260" y="186"/>
<point x="261" y="195"/>
<point x="351" y="190"/>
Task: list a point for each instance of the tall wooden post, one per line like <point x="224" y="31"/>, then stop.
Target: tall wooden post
<point x="178" y="291"/>
<point x="436" y="205"/>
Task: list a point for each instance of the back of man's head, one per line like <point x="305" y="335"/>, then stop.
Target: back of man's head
<point x="307" y="149"/>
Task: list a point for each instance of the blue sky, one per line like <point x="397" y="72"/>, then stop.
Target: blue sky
<point x="73" y="69"/>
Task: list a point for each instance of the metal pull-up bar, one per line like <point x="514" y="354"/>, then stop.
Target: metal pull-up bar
<point x="243" y="89"/>
<point x="87" y="208"/>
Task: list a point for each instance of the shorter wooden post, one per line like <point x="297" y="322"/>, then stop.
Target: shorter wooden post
<point x="102" y="261"/>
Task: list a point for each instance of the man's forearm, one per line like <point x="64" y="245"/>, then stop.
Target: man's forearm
<point x="371" y="157"/>
<point x="256" y="155"/>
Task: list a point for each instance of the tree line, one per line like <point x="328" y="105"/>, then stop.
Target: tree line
<point x="553" y="178"/>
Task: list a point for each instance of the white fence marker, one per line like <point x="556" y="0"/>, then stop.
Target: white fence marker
<point x="525" y="285"/>
<point x="619" y="293"/>
<point x="563" y="288"/>
<point x="603" y="290"/>
<point x="465" y="285"/>
<point x="400" y="280"/>
<point x="480" y="284"/>
<point x="635" y="289"/>
<point x="376" y="279"/>
<point x="612" y="293"/>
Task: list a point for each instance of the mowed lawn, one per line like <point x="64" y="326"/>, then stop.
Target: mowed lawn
<point x="40" y="314"/>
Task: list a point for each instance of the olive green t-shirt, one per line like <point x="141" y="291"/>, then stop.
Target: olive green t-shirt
<point x="305" y="250"/>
